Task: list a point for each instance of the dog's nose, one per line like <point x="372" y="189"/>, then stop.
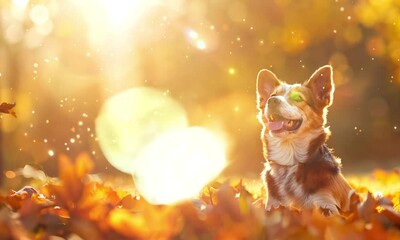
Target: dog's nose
<point x="273" y="101"/>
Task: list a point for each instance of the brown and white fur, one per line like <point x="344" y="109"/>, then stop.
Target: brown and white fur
<point x="300" y="171"/>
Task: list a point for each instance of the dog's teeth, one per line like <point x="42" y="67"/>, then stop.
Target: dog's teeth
<point x="290" y="123"/>
<point x="271" y="118"/>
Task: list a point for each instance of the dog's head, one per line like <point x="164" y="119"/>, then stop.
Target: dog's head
<point x="291" y="110"/>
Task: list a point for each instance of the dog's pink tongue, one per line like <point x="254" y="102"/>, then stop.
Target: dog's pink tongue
<point x="275" y="125"/>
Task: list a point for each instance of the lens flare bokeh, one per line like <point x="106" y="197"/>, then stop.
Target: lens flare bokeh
<point x="178" y="164"/>
<point x="131" y="120"/>
<point x="144" y="132"/>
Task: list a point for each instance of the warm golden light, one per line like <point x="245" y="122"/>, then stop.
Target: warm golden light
<point x="132" y="119"/>
<point x="10" y="174"/>
<point x="20" y="3"/>
<point x="51" y="153"/>
<point x="39" y="14"/>
<point x="178" y="164"/>
<point x="120" y="11"/>
<point x="144" y="132"/>
<point x="116" y="14"/>
<point x="200" y="42"/>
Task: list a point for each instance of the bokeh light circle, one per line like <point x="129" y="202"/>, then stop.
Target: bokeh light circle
<point x="130" y="120"/>
<point x="178" y="164"/>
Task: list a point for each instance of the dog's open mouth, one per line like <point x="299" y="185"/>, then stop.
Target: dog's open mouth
<point x="277" y="123"/>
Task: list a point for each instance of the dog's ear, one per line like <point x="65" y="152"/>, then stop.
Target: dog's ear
<point x="322" y="86"/>
<point x="266" y="83"/>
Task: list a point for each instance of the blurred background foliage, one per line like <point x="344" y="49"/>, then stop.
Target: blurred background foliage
<point x="60" y="60"/>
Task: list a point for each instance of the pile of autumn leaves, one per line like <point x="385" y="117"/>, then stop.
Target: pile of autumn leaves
<point x="74" y="206"/>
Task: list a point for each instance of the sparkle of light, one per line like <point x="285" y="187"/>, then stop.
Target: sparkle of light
<point x="192" y="34"/>
<point x="201" y="44"/>
<point x="10" y="174"/>
<point x="119" y="11"/>
<point x="20" y="3"/>
<point x="51" y="153"/>
<point x="39" y="14"/>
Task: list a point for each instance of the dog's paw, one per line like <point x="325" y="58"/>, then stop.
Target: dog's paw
<point x="272" y="204"/>
<point x="329" y="209"/>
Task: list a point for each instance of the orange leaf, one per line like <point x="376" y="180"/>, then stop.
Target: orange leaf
<point x="15" y="200"/>
<point x="83" y="165"/>
<point x="85" y="229"/>
<point x="65" y="168"/>
<point x="73" y="185"/>
<point x="128" y="224"/>
<point x="392" y="215"/>
<point x="29" y="214"/>
<point x="128" y="202"/>
<point x="228" y="202"/>
<point x="8" y="108"/>
<point x="72" y="176"/>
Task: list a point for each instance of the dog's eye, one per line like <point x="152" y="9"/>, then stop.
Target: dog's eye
<point x="296" y="96"/>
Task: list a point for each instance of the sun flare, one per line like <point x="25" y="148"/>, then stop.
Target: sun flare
<point x="119" y="12"/>
<point x="178" y="164"/>
<point x="144" y="132"/>
<point x="132" y="119"/>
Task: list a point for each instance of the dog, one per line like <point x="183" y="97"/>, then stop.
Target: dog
<point x="300" y="170"/>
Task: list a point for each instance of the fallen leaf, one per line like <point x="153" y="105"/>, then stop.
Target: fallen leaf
<point x="128" y="224"/>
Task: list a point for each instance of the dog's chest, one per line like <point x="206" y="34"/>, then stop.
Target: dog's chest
<point x="284" y="187"/>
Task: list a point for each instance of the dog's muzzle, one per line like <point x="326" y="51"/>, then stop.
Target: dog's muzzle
<point x="278" y="123"/>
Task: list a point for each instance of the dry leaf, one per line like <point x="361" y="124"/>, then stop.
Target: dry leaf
<point x="8" y="108"/>
<point x="76" y="205"/>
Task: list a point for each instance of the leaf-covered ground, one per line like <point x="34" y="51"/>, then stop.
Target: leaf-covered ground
<point x="78" y="205"/>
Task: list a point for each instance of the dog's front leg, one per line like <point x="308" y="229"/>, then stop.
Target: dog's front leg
<point x="325" y="202"/>
<point x="269" y="183"/>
